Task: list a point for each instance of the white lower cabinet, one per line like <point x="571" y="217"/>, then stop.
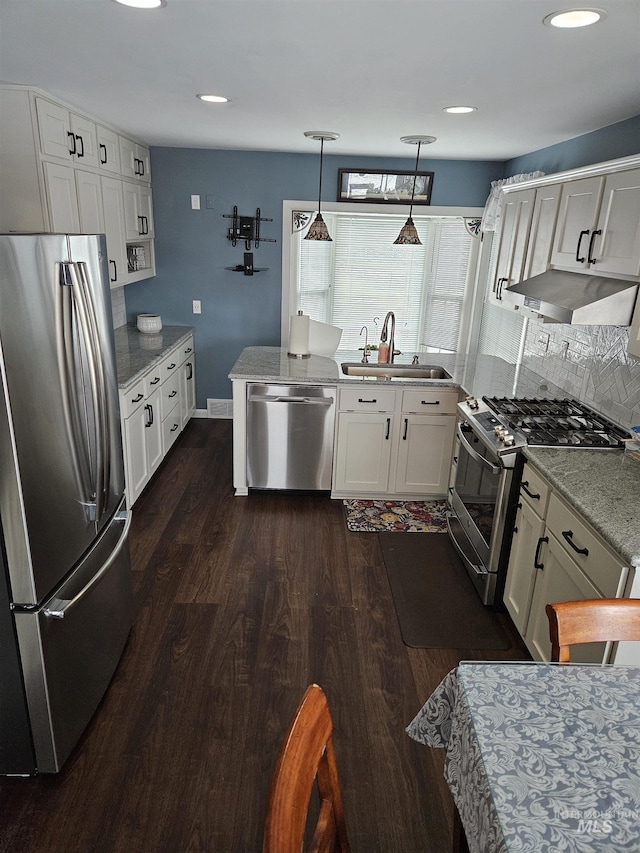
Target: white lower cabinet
<point x="556" y="556"/>
<point x="154" y="413"/>
<point x="386" y="445"/>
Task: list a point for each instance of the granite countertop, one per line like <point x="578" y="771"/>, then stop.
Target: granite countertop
<point x="136" y="352"/>
<point x="603" y="486"/>
<point x="482" y="375"/>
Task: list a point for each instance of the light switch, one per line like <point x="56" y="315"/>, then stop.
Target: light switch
<point x="195" y="202"/>
<point x="197" y="307"/>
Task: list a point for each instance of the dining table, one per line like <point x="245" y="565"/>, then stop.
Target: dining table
<point x="540" y="757"/>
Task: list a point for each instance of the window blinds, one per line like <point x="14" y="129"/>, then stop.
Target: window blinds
<point x="361" y="275"/>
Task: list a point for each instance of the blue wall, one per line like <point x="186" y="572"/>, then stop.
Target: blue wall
<point x="192" y="250"/>
<point x="608" y="143"/>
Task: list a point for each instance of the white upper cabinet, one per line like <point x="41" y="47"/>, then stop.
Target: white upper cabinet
<point x="135" y="160"/>
<point x="109" y="150"/>
<point x="517" y="212"/>
<point x="542" y="230"/>
<point x="66" y="135"/>
<point x="599" y="224"/>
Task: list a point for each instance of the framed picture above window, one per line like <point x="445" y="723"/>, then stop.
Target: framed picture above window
<point x="384" y="187"/>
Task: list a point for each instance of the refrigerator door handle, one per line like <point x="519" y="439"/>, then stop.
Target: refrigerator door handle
<point x="59" y="607"/>
<point x="76" y="275"/>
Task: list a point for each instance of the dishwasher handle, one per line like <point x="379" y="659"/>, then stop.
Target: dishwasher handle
<point x="274" y="398"/>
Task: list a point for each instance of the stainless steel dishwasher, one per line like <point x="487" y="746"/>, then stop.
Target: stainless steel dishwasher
<point x="290" y="436"/>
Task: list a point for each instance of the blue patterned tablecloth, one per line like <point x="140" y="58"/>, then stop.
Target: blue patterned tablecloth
<point x="540" y="757"/>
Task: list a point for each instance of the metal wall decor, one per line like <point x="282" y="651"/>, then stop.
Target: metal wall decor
<point x="247" y="228"/>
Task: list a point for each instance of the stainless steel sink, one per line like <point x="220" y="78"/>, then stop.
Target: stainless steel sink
<point x="388" y="371"/>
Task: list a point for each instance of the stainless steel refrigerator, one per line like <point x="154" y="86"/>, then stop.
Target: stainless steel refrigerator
<point x="65" y="580"/>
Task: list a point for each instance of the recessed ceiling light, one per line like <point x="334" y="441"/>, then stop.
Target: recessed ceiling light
<point x="459" y="110"/>
<point x="214" y="99"/>
<point x="574" y="18"/>
<point x="142" y="4"/>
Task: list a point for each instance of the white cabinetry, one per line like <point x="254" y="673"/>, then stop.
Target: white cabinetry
<point x="362" y="455"/>
<point x="517" y="211"/>
<point x="599" y="224"/>
<point x="425" y="444"/>
<point x="54" y="162"/>
<point x="387" y="444"/>
<point x="556" y="556"/>
<point x="541" y="233"/>
<point x="66" y="134"/>
<point x="154" y="411"/>
<point x="187" y="383"/>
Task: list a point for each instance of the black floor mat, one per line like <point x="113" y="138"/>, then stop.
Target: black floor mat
<point x="436" y="603"/>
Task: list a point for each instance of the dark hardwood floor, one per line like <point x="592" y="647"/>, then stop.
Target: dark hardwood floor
<point x="240" y="603"/>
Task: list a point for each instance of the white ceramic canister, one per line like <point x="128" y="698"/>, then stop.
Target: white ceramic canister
<point x="150" y="324"/>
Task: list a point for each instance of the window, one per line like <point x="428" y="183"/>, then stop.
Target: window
<point x="361" y="275"/>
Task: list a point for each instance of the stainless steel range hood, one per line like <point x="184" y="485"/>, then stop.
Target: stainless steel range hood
<point x="576" y="298"/>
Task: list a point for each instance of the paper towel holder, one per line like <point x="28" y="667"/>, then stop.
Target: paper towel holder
<point x="299" y="354"/>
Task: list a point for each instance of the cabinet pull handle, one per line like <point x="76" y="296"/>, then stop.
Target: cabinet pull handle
<point x="172" y="394"/>
<point x="171" y="366"/>
<point x="155" y="381"/>
<point x="137" y="399"/>
<point x="430" y="402"/>
<point x="140" y="225"/>
<point x="524" y="485"/>
<point x="149" y="411"/>
<point x="174" y="428"/>
<point x="103" y="150"/>
<point x="590" y="258"/>
<point x="567" y="536"/>
<point x="388" y="429"/>
<point x="406" y="427"/>
<point x="145" y="225"/>
<point x="81" y="149"/>
<point x="190" y="373"/>
<point x="536" y="560"/>
<point x="580" y="236"/>
<point x="72" y="150"/>
<point x="115" y="270"/>
<point x="362" y="400"/>
<point x="187" y="350"/>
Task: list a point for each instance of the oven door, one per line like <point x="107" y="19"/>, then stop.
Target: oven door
<point x="481" y="504"/>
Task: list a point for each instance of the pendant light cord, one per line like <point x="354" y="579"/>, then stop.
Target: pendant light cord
<point x="320" y="187"/>
<point x="415" y="178"/>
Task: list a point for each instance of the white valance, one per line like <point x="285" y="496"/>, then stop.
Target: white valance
<point x="493" y="206"/>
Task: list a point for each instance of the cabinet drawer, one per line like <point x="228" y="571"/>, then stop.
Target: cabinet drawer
<point x="169" y="395"/>
<point x="152" y="379"/>
<point x="132" y="398"/>
<point x="184" y="351"/>
<point x="534" y="490"/>
<point x="430" y="401"/>
<point x="170" y="429"/>
<point x="599" y="564"/>
<point x="367" y="399"/>
<point x="169" y="366"/>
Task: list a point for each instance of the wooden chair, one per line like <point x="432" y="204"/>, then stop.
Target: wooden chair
<point x="306" y="752"/>
<point x="593" y="620"/>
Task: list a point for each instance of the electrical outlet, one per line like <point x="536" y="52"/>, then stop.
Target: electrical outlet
<point x="543" y="340"/>
<point x="197" y="307"/>
<point x="195" y="202"/>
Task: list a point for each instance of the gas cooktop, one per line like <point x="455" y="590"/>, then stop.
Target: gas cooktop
<point x="558" y="423"/>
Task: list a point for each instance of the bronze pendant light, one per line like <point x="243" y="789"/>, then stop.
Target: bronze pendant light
<point x="318" y="229"/>
<point x="408" y="235"/>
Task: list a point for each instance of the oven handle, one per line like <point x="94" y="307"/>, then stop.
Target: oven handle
<point x="495" y="469"/>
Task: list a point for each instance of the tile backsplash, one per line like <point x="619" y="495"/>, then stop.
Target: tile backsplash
<point x="590" y="363"/>
<point x="118" y="308"/>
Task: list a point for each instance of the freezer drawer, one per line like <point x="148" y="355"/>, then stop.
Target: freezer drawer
<point x="71" y="646"/>
<point x="290" y="436"/>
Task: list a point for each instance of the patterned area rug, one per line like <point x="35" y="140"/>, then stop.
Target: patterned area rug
<point x="396" y="516"/>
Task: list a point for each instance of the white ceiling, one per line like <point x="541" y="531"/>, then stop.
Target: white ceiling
<point x="371" y="70"/>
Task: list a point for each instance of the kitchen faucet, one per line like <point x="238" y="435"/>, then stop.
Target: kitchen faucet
<point x="365" y="357"/>
<point x="383" y="336"/>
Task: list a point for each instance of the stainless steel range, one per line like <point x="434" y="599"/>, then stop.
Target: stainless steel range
<point x="492" y="432"/>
